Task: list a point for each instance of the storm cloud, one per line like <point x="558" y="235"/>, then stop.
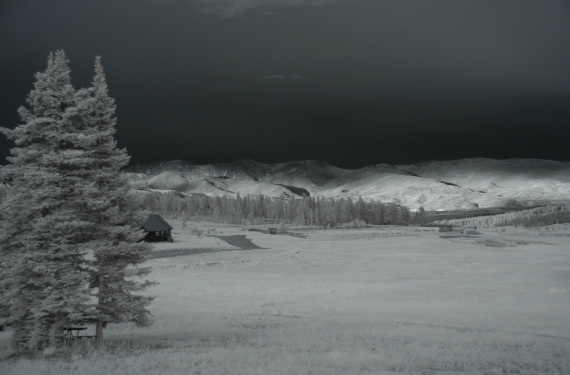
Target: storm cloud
<point x="352" y="82"/>
<point x="232" y="8"/>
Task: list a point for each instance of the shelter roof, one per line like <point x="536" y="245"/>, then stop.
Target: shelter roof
<point x="155" y="223"/>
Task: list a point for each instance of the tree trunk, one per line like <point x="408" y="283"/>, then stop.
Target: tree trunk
<point x="99" y="327"/>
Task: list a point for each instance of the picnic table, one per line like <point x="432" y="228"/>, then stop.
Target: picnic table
<point x="69" y="336"/>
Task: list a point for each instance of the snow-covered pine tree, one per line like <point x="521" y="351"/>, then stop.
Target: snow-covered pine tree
<point x="42" y="274"/>
<point x="117" y="251"/>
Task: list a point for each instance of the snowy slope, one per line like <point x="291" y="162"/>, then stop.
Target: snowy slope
<point x="169" y="181"/>
<point x="527" y="181"/>
<point x="438" y="185"/>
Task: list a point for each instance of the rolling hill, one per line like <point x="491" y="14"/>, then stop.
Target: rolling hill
<point x="437" y="185"/>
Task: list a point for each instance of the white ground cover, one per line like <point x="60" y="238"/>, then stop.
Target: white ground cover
<point x="188" y="238"/>
<point x="381" y="301"/>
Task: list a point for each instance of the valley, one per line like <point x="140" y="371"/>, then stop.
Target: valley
<point x="382" y="299"/>
<point x="465" y="184"/>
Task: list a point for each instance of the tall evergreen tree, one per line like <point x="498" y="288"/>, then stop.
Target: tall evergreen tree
<point x="42" y="273"/>
<point x="112" y="207"/>
<point x="68" y="199"/>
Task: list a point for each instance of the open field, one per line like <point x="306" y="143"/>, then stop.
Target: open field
<point x="384" y="300"/>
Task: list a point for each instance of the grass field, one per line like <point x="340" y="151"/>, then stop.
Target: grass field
<point x="384" y="300"/>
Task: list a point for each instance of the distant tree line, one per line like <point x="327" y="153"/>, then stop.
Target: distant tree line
<point x="256" y="209"/>
<point x="535" y="217"/>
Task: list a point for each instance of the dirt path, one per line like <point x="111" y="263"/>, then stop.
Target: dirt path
<point x="238" y="241"/>
<point x="180" y="252"/>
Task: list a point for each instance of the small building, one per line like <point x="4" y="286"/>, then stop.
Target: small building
<point x="471" y="231"/>
<point x="158" y="230"/>
<point x="445" y="228"/>
<point x="459" y="230"/>
<point x="272" y="230"/>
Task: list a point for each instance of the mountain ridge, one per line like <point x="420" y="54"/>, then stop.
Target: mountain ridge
<point x="434" y="185"/>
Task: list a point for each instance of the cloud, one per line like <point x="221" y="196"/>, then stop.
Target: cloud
<point x="281" y="76"/>
<point x="273" y="76"/>
<point x="232" y="8"/>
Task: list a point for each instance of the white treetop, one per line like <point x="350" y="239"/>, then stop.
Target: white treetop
<point x="43" y="279"/>
<point x="68" y="199"/>
<point x="115" y="245"/>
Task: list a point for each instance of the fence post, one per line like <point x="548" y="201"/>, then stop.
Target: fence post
<point x="99" y="326"/>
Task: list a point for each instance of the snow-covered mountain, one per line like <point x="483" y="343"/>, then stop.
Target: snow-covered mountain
<point x="438" y="185"/>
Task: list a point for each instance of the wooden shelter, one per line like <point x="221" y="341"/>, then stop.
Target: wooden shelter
<point x="158" y="230"/>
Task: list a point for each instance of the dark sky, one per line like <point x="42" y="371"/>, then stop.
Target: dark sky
<point x="351" y="82"/>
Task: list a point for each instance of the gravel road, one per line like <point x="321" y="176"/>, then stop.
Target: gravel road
<point x="237" y="241"/>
